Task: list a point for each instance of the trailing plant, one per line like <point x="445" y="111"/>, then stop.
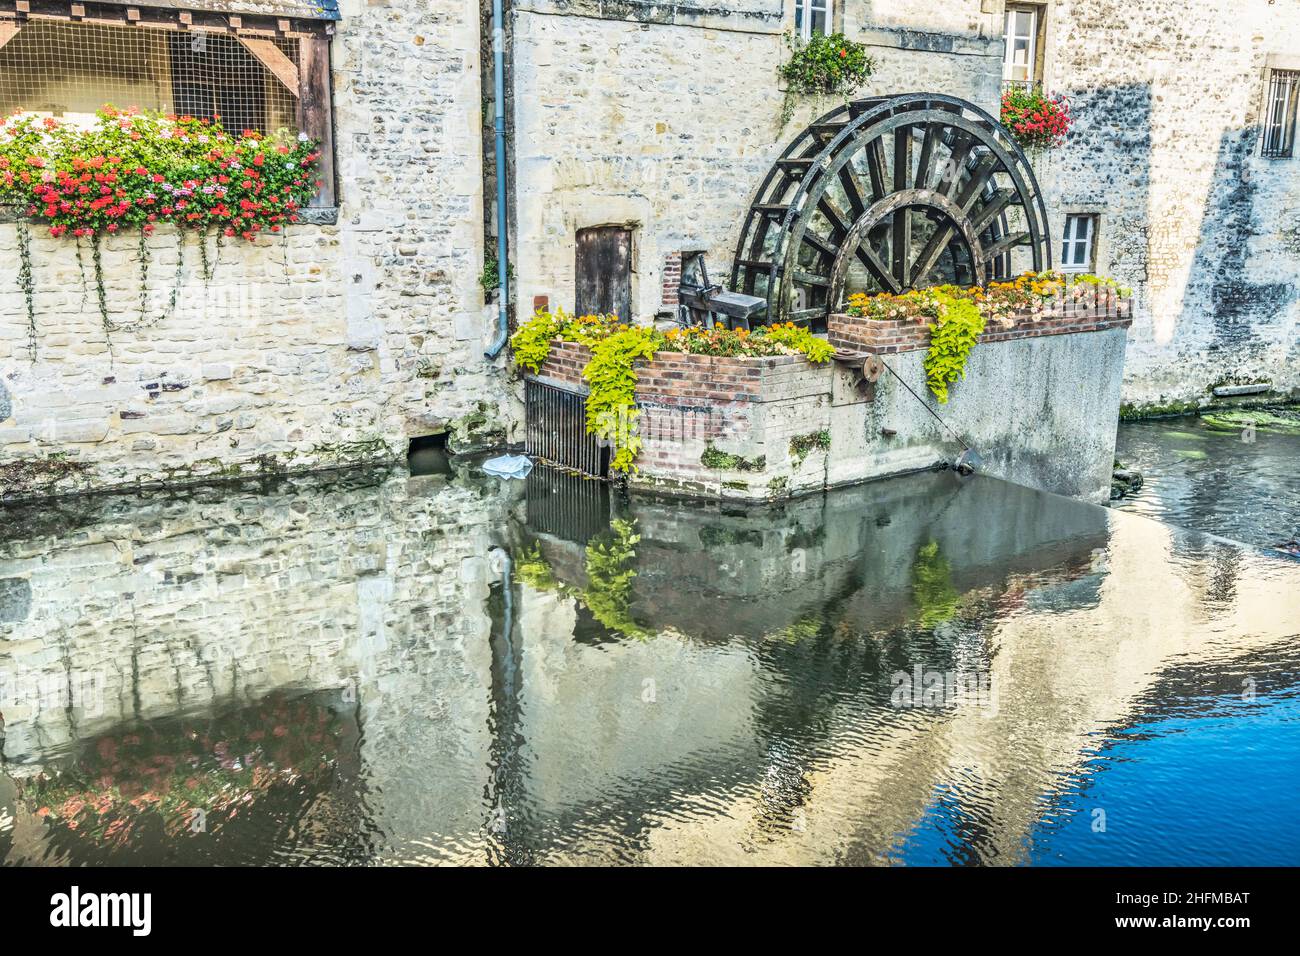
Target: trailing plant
<point x="1036" y="120"/>
<point x="617" y="347"/>
<point x="801" y="446"/>
<point x="956" y="327"/>
<point x="823" y="65"/>
<point x="27" y="282"/>
<point x="609" y="560"/>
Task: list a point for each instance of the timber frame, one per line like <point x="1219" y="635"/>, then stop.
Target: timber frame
<point x="308" y="81"/>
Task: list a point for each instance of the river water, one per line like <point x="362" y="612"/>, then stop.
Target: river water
<point x="931" y="670"/>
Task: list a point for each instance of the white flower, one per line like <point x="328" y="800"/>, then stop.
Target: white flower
<point x="303" y="137"/>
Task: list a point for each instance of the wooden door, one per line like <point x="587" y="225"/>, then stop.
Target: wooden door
<point x="604" y="272"/>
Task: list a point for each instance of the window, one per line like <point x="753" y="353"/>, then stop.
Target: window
<point x="1280" y="113"/>
<point x="812" y="16"/>
<point x="254" y="72"/>
<point x="1020" y="61"/>
<point x="1076" y="244"/>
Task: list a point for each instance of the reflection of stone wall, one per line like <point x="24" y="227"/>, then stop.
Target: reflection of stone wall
<point x="165" y="604"/>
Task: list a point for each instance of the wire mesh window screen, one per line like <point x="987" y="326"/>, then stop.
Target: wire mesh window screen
<point x="69" y="70"/>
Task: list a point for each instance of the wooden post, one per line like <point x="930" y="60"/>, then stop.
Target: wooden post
<point x="314" y="114"/>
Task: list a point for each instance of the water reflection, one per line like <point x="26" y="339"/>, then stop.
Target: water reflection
<point x="1244" y="485"/>
<point x="925" y="671"/>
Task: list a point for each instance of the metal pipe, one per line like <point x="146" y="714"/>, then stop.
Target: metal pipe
<point x="499" y="96"/>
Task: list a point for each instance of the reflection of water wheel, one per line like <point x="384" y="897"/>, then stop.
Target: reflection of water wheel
<point x="888" y="194"/>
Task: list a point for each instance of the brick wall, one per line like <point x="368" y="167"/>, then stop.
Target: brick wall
<point x="672" y="277"/>
<point x="1097" y="311"/>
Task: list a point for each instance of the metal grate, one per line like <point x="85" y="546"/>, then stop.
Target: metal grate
<point x="555" y="422"/>
<point x="566" y="505"/>
<point x="71" y="69"/>
<point x="1280" y="114"/>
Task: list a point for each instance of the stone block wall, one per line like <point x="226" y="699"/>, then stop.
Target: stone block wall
<point x="339" y="341"/>
<point x="665" y="118"/>
<point x="1165" y="151"/>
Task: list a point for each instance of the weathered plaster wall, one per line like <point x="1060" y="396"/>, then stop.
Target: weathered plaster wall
<point x="1165" y="151"/>
<point x="338" y="341"/>
<point x="666" y="118"/>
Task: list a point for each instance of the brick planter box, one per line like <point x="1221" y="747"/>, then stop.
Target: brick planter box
<point x="1101" y="309"/>
<point x="1040" y="402"/>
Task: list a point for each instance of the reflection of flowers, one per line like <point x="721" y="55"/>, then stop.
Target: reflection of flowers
<point x="170" y="772"/>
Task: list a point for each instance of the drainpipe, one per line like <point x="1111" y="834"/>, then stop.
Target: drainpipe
<point x="499" y="97"/>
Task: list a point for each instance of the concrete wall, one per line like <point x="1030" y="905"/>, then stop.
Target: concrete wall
<point x="336" y="342"/>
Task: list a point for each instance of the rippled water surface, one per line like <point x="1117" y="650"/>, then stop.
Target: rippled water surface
<point x="1247" y="490"/>
<point x="925" y="671"/>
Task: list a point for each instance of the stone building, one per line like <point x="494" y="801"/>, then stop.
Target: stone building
<point x="339" y="340"/>
<point x="637" y="131"/>
<point x="662" y="119"/>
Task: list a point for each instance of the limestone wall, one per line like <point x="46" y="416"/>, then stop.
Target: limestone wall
<point x="1165" y="150"/>
<point x="338" y="341"/>
<point x="667" y="123"/>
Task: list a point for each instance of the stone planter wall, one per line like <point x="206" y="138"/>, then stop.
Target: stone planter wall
<point x="1039" y="402"/>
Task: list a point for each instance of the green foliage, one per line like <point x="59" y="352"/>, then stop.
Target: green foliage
<point x="725" y="461"/>
<point x="932" y="589"/>
<point x="953" y="333"/>
<point x="801" y="446"/>
<point x="826" y="65"/>
<point x="608" y="595"/>
<point x="617" y="347"/>
<point x="609" y="561"/>
<point x="490" y="277"/>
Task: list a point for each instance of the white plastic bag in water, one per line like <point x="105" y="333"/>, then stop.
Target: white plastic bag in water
<point x="509" y="466"/>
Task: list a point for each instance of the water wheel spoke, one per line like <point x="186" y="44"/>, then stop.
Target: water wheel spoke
<point x="853" y="190"/>
<point x="984" y="169"/>
<point x="925" y="165"/>
<point x="876" y="170"/>
<point x="823" y="246"/>
<point x="1005" y="244"/>
<point x="939" y="239"/>
<point x="901" y="244"/>
<point x="992" y="209"/>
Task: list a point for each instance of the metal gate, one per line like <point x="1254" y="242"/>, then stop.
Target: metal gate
<point x="555" y="429"/>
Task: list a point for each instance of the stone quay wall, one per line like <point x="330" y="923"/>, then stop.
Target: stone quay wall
<point x="1039" y="402"/>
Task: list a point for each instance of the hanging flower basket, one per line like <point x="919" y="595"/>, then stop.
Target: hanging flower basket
<point x="1036" y="120"/>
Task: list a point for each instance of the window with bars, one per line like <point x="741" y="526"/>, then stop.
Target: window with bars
<point x="1278" y="140"/>
<point x="1077" y="243"/>
<point x="813" y="16"/>
<point x="259" y="74"/>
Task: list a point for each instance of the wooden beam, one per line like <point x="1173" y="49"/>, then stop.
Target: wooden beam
<point x="273" y="58"/>
<point x="315" y="117"/>
<point x="8" y="30"/>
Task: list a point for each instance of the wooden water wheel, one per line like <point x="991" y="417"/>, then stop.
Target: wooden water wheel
<point x="888" y="194"/>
